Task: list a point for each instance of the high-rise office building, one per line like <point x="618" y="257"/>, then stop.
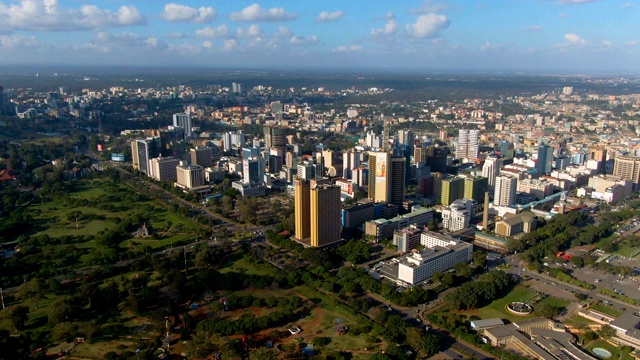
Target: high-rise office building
<point x="544" y="163"/>
<point x="308" y="170"/>
<point x="474" y="188"/>
<point x="505" y="191"/>
<point x="253" y="170"/>
<point x="183" y="120"/>
<point x="406" y="137"/>
<point x="452" y="189"/>
<point x="163" y="168"/>
<point x="172" y="140"/>
<point x="189" y="176"/>
<point x="350" y="161"/>
<point x="627" y="168"/>
<point x="302" y="209"/>
<point x="386" y="178"/>
<point x="490" y="170"/>
<point x="397" y="180"/>
<point x="326" y="215"/>
<point x="5" y="105"/>
<point x="143" y="150"/>
<point x="467" y="145"/>
<point x="236" y="88"/>
<point x="274" y="137"/>
<point x="599" y="155"/>
<point x="436" y="158"/>
<point x="458" y="215"/>
<point x="202" y="155"/>
<point x="277" y="110"/>
<point x="317" y="212"/>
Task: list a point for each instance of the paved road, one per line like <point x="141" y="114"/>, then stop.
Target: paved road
<point x="516" y="268"/>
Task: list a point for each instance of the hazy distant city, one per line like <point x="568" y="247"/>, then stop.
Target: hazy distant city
<point x="321" y="180"/>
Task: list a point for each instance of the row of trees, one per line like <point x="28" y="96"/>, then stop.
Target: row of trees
<point x="481" y="292"/>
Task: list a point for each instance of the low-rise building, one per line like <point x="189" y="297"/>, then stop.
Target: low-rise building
<point x="408" y="238"/>
<point x="441" y="254"/>
<point x="458" y="215"/>
<point x="514" y="224"/>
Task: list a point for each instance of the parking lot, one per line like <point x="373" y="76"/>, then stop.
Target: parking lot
<point x="608" y="281"/>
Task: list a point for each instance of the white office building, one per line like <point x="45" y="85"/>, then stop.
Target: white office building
<point x="467" y="145"/>
<point x="505" y="191"/>
<point x="183" y="120"/>
<point x="458" y="215"/>
<point x="163" y="169"/>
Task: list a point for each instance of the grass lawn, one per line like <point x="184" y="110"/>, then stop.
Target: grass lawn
<point x="550" y="300"/>
<point x="246" y="266"/>
<point x="497" y="308"/>
<point x="627" y="251"/>
<point x="577" y="320"/>
<point x="599" y="343"/>
<point x="606" y="310"/>
<point x="330" y="311"/>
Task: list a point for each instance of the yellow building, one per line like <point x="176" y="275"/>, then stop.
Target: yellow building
<point x="317" y="213"/>
<point x="302" y="209"/>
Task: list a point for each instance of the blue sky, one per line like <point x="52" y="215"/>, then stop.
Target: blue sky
<point x="552" y="36"/>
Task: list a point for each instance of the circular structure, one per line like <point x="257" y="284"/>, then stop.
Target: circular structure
<point x="519" y="308"/>
<point x="602" y="353"/>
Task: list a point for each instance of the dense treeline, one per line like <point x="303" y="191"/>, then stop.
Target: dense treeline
<point x="480" y="292"/>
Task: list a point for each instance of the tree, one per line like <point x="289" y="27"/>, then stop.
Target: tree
<point x="547" y="310"/>
<point x="199" y="346"/>
<point x="18" y="315"/>
<point x="432" y="225"/>
<point x="33" y="290"/>
<point x="606" y="332"/>
<point x="429" y="346"/>
<point x="590" y="336"/>
<point x="462" y="269"/>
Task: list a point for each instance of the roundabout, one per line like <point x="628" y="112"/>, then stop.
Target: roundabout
<point x="602" y="353"/>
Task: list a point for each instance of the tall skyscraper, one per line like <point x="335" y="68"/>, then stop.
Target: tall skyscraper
<point x="544" y="163"/>
<point x="202" y="155"/>
<point x="5" y="105"/>
<point x="274" y="137"/>
<point x="407" y="138"/>
<point x="183" y="120"/>
<point x="474" y="188"/>
<point x="350" y="161"/>
<point x="317" y="213"/>
<point x="452" y="189"/>
<point x="253" y="170"/>
<point x="467" y="145"/>
<point x="436" y="158"/>
<point x="490" y="170"/>
<point x="397" y="180"/>
<point x="236" y="88"/>
<point x="302" y="208"/>
<point x="308" y="170"/>
<point x="505" y="191"/>
<point x="143" y="150"/>
<point x="386" y="177"/>
<point x="326" y="215"/>
<point x="277" y="110"/>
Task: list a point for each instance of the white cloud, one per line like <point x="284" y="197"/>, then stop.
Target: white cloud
<point x="389" y="15"/>
<point x="176" y="35"/>
<point x="48" y="15"/>
<point x="346" y="48"/>
<point x="429" y="26"/>
<point x="17" y="41"/>
<point x="284" y="32"/>
<point x="176" y="12"/>
<point x="255" y="12"/>
<point x="631" y="43"/>
<point x="208" y="44"/>
<point x="488" y="46"/>
<point x="301" y="40"/>
<point x="390" y="28"/>
<point x="574" y="39"/>
<point x="534" y="28"/>
<point x="628" y="5"/>
<point x="125" y="39"/>
<point x="252" y="31"/>
<point x="330" y="16"/>
<point x="230" y="44"/>
<point x="428" y="6"/>
<point x="211" y="32"/>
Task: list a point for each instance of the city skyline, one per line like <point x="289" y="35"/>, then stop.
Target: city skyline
<point x="572" y="36"/>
